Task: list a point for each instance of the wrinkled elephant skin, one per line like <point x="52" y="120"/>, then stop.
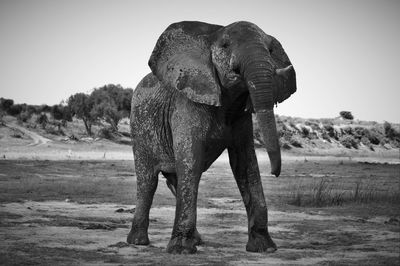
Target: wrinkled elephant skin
<point x="205" y="83"/>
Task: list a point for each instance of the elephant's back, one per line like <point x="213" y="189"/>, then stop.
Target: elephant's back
<point x="142" y="105"/>
<point x="149" y="111"/>
<point x="145" y="90"/>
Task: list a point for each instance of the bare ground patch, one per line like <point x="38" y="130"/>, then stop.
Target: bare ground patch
<point x="57" y="232"/>
<point x="79" y="212"/>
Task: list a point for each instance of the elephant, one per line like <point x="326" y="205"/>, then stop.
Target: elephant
<point x="206" y="81"/>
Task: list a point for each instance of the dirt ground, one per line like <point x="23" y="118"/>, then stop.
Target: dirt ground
<point x="72" y="204"/>
<point x="79" y="212"/>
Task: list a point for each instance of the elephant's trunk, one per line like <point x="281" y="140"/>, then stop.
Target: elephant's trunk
<point x="266" y="121"/>
<point x="258" y="73"/>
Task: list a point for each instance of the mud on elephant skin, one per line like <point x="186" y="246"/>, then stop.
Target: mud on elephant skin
<point x="206" y="81"/>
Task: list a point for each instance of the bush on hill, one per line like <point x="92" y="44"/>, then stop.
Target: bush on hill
<point x="346" y="115"/>
<point x="349" y="141"/>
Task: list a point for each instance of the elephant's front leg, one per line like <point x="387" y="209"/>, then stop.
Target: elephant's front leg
<point x="244" y="165"/>
<point x="188" y="166"/>
<point x="172" y="180"/>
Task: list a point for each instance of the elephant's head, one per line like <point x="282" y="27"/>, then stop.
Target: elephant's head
<point x="199" y="59"/>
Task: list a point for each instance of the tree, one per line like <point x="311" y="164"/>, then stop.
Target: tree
<point x="44" y="108"/>
<point x="126" y="101"/>
<point x="15" y="109"/>
<point x="109" y="112"/>
<point x="109" y="103"/>
<point x="67" y="115"/>
<point x="346" y="115"/>
<point x="5" y="104"/>
<point x="32" y="109"/>
<point x="61" y="112"/>
<point x="112" y="103"/>
<point x="81" y="106"/>
<point x="56" y="112"/>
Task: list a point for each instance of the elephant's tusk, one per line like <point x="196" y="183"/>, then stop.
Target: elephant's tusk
<point x="283" y="72"/>
<point x="233" y="76"/>
<point x="232" y="61"/>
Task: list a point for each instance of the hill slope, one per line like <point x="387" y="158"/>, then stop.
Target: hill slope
<point x="335" y="136"/>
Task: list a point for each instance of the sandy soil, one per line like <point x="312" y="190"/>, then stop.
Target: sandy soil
<point x="79" y="212"/>
<point x="36" y="138"/>
<point x="64" y="232"/>
<point x="72" y="204"/>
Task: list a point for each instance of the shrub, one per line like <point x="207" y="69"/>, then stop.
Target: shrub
<point x="73" y="137"/>
<point x="16" y="135"/>
<point x="349" y="141"/>
<point x="347" y="131"/>
<point x="326" y="136"/>
<point x="305" y="132"/>
<point x="359" y="132"/>
<point x="54" y="131"/>
<point x="286" y="135"/>
<point x="285" y="146"/>
<point x="365" y="140"/>
<point x="24" y="116"/>
<point x="371" y="147"/>
<point x="281" y="128"/>
<point x="295" y="143"/>
<point x="390" y="132"/>
<point x="106" y="133"/>
<point x="375" y="137"/>
<point x="1" y="118"/>
<point x="330" y="130"/>
<point x="42" y="120"/>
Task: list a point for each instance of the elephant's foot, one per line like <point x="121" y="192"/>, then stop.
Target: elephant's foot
<point x="197" y="238"/>
<point x="182" y="245"/>
<point x="138" y="237"/>
<point x="260" y="242"/>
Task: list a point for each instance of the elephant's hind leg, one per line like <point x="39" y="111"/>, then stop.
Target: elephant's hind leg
<point x="146" y="186"/>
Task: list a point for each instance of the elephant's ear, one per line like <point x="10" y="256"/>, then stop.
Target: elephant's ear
<point x="182" y="59"/>
<point x="285" y="86"/>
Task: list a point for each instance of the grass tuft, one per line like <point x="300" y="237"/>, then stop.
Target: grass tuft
<point x="323" y="193"/>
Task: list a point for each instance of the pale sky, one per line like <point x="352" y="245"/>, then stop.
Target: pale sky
<point x="345" y="52"/>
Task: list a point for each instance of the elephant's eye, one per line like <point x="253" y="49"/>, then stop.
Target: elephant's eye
<point x="236" y="70"/>
<point x="225" y="44"/>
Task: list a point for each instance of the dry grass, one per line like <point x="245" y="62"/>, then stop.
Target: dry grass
<point x="323" y="192"/>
